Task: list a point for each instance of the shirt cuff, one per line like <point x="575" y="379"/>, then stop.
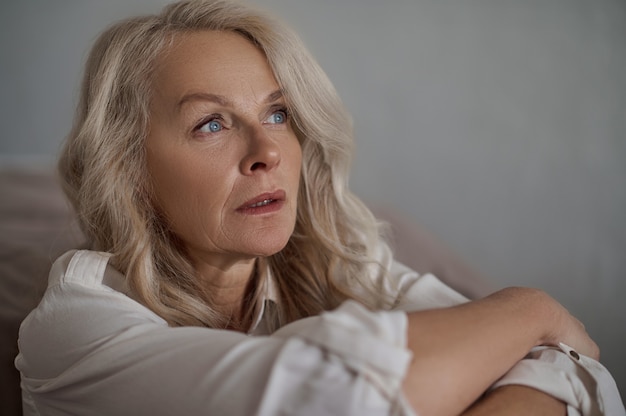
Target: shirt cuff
<point x="581" y="382"/>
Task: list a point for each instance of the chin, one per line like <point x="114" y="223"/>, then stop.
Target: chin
<point x="268" y="241"/>
<point x="269" y="248"/>
<point x="270" y="251"/>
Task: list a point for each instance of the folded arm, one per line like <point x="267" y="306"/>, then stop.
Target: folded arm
<point x="517" y="401"/>
<point x="458" y="352"/>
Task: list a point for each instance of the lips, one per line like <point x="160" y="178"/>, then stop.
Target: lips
<point x="263" y="202"/>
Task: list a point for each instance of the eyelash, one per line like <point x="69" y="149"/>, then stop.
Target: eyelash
<point x="284" y="110"/>
<point x="218" y="117"/>
<point x="207" y="120"/>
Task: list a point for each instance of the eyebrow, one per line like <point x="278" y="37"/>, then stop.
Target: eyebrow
<point x="222" y="100"/>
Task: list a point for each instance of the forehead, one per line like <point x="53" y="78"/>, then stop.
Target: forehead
<point x="211" y="59"/>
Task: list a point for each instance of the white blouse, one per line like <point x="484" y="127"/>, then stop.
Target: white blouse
<point x="90" y="349"/>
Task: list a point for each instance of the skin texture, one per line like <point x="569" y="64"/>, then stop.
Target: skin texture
<point x="517" y="401"/>
<point x="460" y="351"/>
<point x="219" y="138"/>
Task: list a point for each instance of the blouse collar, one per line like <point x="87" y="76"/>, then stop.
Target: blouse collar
<point x="267" y="301"/>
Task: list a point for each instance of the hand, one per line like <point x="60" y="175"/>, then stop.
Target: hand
<point x="563" y="327"/>
<point x="495" y="332"/>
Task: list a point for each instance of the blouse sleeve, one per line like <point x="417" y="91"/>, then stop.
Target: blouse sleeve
<point x="89" y="349"/>
<point x="584" y="384"/>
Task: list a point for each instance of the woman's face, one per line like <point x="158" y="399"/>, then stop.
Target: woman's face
<point x="221" y="154"/>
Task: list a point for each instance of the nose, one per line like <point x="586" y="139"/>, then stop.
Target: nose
<point x="262" y="153"/>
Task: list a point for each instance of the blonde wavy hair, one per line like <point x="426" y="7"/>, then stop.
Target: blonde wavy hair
<point x="332" y="253"/>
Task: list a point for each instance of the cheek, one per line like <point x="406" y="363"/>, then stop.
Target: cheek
<point x="295" y="174"/>
<point x="187" y="190"/>
<point x="167" y="175"/>
<point x="295" y="157"/>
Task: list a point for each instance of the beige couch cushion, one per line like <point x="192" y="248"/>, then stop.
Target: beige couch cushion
<point x="37" y="225"/>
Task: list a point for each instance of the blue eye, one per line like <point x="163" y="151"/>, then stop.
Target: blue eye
<point x="212" y="126"/>
<point x="278" y="117"/>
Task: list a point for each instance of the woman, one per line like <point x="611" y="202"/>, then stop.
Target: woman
<point x="231" y="270"/>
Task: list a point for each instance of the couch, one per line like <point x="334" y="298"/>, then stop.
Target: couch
<point x="37" y="225"/>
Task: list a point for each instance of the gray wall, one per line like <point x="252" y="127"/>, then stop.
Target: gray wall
<point x="499" y="125"/>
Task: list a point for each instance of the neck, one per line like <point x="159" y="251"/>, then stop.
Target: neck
<point x="229" y="289"/>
